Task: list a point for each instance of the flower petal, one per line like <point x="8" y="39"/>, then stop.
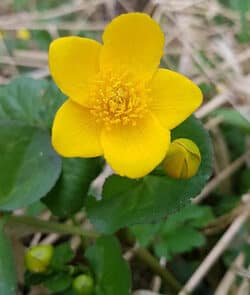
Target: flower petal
<point x="174" y="97"/>
<point x="134" y="151"/>
<point x="75" y="132"/>
<point x="134" y="42"/>
<point x="73" y="62"/>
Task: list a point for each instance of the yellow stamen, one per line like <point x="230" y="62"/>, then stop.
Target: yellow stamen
<point x="119" y="98"/>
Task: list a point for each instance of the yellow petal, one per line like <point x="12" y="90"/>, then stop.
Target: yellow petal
<point x="174" y="97"/>
<point x="133" y="42"/>
<point x="134" y="151"/>
<point x="75" y="132"/>
<point x="73" y="63"/>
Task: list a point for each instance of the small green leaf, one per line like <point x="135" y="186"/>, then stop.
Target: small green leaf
<point x="68" y="195"/>
<point x="195" y="215"/>
<point x="7" y="266"/>
<point x="244" y="184"/>
<point x="112" y="275"/>
<point x="62" y="255"/>
<point x="181" y="239"/>
<point x="145" y="233"/>
<point x="31" y="167"/>
<point x="128" y="201"/>
<point x="162" y="233"/>
<point x="58" y="282"/>
<point x="31" y="278"/>
<point x="69" y="291"/>
<point x="236" y="4"/>
<point x="226" y="204"/>
<point x="35" y="209"/>
<point x="42" y="38"/>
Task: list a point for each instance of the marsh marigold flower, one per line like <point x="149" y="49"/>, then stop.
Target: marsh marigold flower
<point x="120" y="104"/>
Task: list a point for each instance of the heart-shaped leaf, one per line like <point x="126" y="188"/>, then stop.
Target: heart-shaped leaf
<point x="30" y="167"/>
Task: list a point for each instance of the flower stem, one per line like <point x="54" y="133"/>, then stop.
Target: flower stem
<point x="51" y="226"/>
<point x="145" y="256"/>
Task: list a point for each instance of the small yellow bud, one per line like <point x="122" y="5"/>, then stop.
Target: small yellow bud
<point x="38" y="258"/>
<point x="183" y="159"/>
<point x="23" y="34"/>
<point x="1" y="35"/>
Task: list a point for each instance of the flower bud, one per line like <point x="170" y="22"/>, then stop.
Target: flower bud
<point x="83" y="285"/>
<point x="38" y="258"/>
<point x="23" y="34"/>
<point x="183" y="159"/>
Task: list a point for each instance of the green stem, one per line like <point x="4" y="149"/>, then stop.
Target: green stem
<point x="50" y="226"/>
<point x="145" y="256"/>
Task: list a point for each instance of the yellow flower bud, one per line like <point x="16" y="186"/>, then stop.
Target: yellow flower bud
<point x="23" y="34"/>
<point x="1" y="35"/>
<point x="183" y="159"/>
<point x="38" y="258"/>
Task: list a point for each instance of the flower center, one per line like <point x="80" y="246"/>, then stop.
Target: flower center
<point x="119" y="99"/>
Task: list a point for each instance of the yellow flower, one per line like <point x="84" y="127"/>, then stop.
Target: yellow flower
<point x="23" y="34"/>
<point x="183" y="159"/>
<point x="120" y="104"/>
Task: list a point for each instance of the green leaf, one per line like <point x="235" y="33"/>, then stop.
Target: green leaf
<point x="27" y="107"/>
<point x="42" y="38"/>
<point x="69" y="291"/>
<point x="68" y="195"/>
<point x="233" y="117"/>
<point x="7" y="267"/>
<point x="31" y="278"/>
<point x="145" y="233"/>
<point x="30" y="101"/>
<point x="63" y="254"/>
<point x="31" y="167"/>
<point x="195" y="215"/>
<point x="235" y="140"/>
<point x="189" y="217"/>
<point x="58" y="282"/>
<point x="35" y="209"/>
<point x="182" y="239"/>
<point x="237" y="4"/>
<point x="243" y="8"/>
<point x="204" y="216"/>
<point x="128" y="201"/>
<point x="112" y="275"/>
<point x="244" y="184"/>
<point x="226" y="204"/>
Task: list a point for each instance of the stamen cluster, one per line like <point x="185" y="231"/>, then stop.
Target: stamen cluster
<point x="118" y="99"/>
